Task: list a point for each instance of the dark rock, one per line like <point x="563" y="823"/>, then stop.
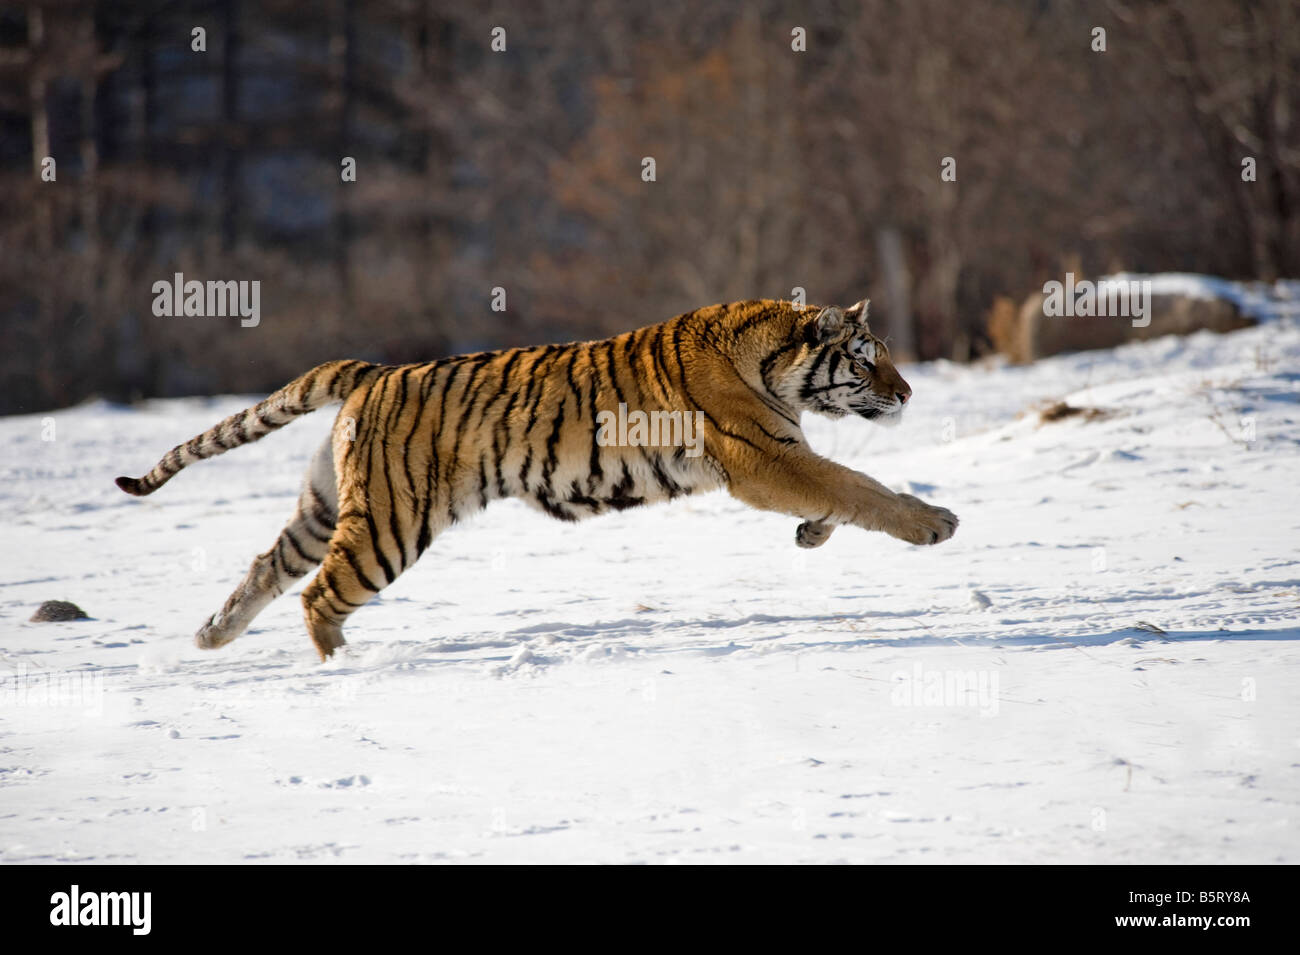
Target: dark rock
<point x="54" y="611"/>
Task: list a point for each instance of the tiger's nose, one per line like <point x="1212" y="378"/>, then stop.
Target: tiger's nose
<point x="903" y="396"/>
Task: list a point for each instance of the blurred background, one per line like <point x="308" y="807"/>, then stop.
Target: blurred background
<point x="522" y="169"/>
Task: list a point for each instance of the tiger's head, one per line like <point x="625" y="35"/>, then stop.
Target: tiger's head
<point x="844" y="369"/>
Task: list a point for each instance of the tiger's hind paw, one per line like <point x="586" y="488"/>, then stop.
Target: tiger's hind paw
<point x="213" y="634"/>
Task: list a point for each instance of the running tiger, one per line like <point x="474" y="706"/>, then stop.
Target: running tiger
<point x="417" y="448"/>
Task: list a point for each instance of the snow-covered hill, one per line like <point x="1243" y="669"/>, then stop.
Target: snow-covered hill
<point x="1102" y="665"/>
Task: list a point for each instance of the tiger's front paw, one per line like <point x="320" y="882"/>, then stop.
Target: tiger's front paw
<point x="813" y="533"/>
<point x="926" y="523"/>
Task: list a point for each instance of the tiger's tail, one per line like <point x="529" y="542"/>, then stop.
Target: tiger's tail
<point x="330" y="382"/>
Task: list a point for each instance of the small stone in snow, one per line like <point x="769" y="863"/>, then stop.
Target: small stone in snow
<point x="56" y="611"/>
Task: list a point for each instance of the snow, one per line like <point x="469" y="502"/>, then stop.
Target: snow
<point x="1100" y="666"/>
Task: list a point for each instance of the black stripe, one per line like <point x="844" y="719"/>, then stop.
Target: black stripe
<point x="503" y="423"/>
<point x="308" y="561"/>
<point x="534" y="413"/>
<point x="575" y="350"/>
<point x="362" y="579"/>
<point x="333" y="586"/>
<point x="277" y="562"/>
<point x="806" y="390"/>
<point x="339" y="612"/>
<point x="630" y="353"/>
<point x="436" y="480"/>
<point x="612" y="371"/>
<point x="778" y="438"/>
<point x="424" y="506"/>
<point x="424" y="497"/>
<point x="374" y="439"/>
<point x="534" y="378"/>
<point x="421" y="410"/>
<point x="554" y="509"/>
<point x="666" y="483"/>
<point x="502" y="427"/>
<point x="765" y="366"/>
<point x="380" y="557"/>
<point x="551" y="443"/>
<point x="772" y="403"/>
<point x="471" y="390"/>
<point x="313" y="535"/>
<point x="577" y="496"/>
<point x="534" y="409"/>
<point x="835" y="387"/>
<point x="621" y="496"/>
<point x="346" y="366"/>
<point x="836" y="359"/>
<point x="497" y="455"/>
<point x="477" y="364"/>
<point x="506" y="384"/>
<point x="394" y="418"/>
<point x="656" y="352"/>
<point x="523" y="472"/>
<point x="596" y="474"/>
<point x="305" y="386"/>
<point x="756" y="318"/>
<point x="321" y="512"/>
<point x="552" y="460"/>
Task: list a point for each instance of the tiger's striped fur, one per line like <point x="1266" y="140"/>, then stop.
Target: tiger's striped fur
<point x="417" y="448"/>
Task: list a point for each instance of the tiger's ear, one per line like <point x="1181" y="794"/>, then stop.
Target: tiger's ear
<point x="828" y="323"/>
<point x="857" y="312"/>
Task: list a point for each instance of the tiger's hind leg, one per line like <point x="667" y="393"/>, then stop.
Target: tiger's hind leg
<point x="366" y="554"/>
<point x="302" y="545"/>
<point x="353" y="571"/>
<point x="394" y="498"/>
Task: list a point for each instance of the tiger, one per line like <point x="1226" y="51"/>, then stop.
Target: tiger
<point x="417" y="448"/>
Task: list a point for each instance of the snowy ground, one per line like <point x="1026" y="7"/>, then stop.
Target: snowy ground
<point x="682" y="684"/>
